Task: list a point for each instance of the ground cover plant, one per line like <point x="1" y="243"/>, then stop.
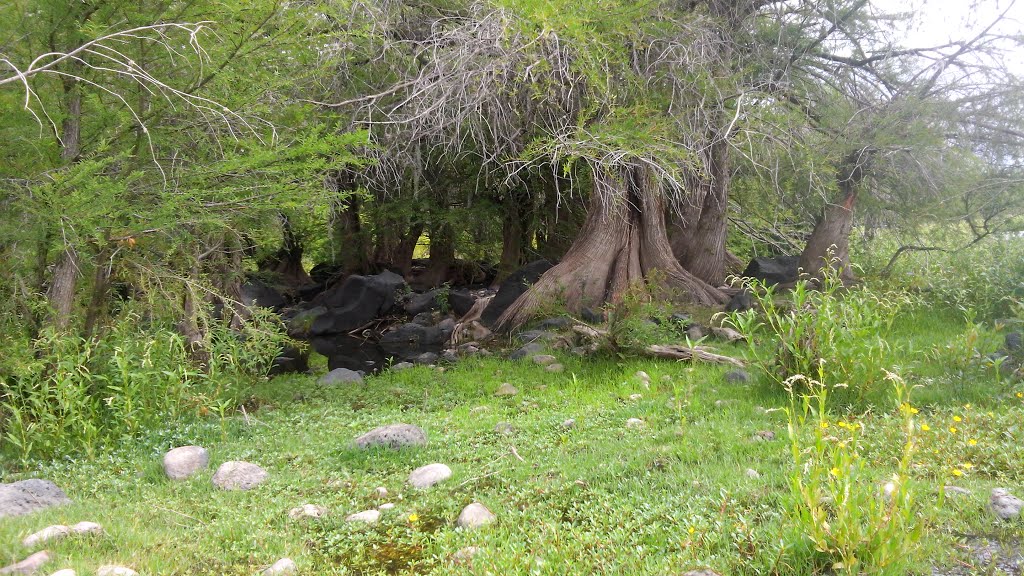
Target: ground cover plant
<point x="741" y="477"/>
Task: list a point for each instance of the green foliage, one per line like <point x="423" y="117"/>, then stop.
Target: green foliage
<point x="838" y="333"/>
<point x="62" y="394"/>
<point x="840" y="513"/>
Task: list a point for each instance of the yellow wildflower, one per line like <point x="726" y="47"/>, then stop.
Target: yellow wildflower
<point x="957" y="472"/>
<point x="691" y="530"/>
<point x="834" y="471"/>
<point x="414" y="517"/>
<point x="925" y="427"/>
<point x="957" y="419"/>
<point x="967" y="465"/>
<point x="972" y="442"/>
<point x="952" y="429"/>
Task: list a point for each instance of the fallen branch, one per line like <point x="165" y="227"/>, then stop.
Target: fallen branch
<point x="676" y="352"/>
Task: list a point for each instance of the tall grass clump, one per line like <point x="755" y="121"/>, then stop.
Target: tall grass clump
<point x="824" y="329"/>
<point x="62" y="394"/>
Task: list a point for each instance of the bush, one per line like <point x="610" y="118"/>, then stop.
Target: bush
<point x="61" y="394"/>
<point x="836" y="332"/>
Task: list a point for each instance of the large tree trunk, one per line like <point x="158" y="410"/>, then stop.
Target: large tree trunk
<point x="829" y="244"/>
<point x="287" y="262"/>
<point x="61" y="295"/>
<point x="558" y="224"/>
<point x="623" y="243"/>
<point x="97" y="308"/>
<point x="515" y="233"/>
<point x="351" y="242"/>
<point x="442" y="257"/>
<point x="698" y="237"/>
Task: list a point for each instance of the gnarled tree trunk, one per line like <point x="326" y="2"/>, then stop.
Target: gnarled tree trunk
<point x="829" y="244"/>
<point x="623" y="243"/>
<point x="515" y="233"/>
<point x="61" y="294"/>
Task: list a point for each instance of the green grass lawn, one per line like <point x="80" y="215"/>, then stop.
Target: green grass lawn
<point x="670" y="496"/>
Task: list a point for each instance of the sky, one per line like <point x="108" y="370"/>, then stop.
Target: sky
<point x="938" y="21"/>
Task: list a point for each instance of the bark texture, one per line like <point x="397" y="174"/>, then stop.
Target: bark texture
<point x="623" y="243"/>
<point x="829" y="243"/>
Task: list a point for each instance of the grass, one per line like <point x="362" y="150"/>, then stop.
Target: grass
<point x="598" y="498"/>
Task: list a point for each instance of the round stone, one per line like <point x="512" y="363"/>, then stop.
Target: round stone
<point x="506" y="389"/>
<point x="366" y="516"/>
<point x="236" y="475"/>
<point x="393" y="436"/>
<point x="634" y="423"/>
<point x="474" y="516"/>
<point x="307" y="511"/>
<point x="29" y="496"/>
<point x="114" y="570"/>
<point x="184" y="461"/>
<point x="282" y="567"/>
<point x="48" y="534"/>
<point x="426" y="476"/>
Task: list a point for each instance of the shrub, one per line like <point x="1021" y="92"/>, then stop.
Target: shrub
<point x="61" y="394"/>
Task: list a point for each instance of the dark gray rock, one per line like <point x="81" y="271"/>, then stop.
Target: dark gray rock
<point x="27" y="496"/>
<point x="393" y="436"/>
<point x="740" y="301"/>
<point x="591" y="316"/>
<point x="409" y="341"/>
<point x="554" y="323"/>
<point x="528" y="350"/>
<point x="300" y="322"/>
<point x="426" y="358"/>
<point x="355" y="302"/>
<point x="1014" y="341"/>
<point x="536" y="336"/>
<point x="695" y="332"/>
<point x="340" y="376"/>
<point x="425" y="302"/>
<point x="460" y="302"/>
<point x="773" y="270"/>
<point x="424" y="319"/>
<point x="255" y="292"/>
<point x="512" y="288"/>
<point x="291" y="359"/>
<point x="737" y="376"/>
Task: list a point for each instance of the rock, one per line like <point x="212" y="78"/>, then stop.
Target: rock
<point x="569" y="424"/>
<point x="386" y="506"/>
<point x="474" y="516"/>
<point x="282" y="567"/>
<point x="512" y="288"/>
<point x="355" y="302"/>
<point x="506" y="389"/>
<point x="113" y="570"/>
<point x="255" y="292"/>
<point x="291" y="359"/>
<point x="27" y="496"/>
<point x="465" y="555"/>
<point x="695" y="332"/>
<point x="740" y="301"/>
<point x="527" y="350"/>
<point x="64" y="572"/>
<point x="704" y="572"/>
<point x="424" y="319"/>
<point x="426" y="476"/>
<point x="544" y="359"/>
<point x="29" y="565"/>
<point x="554" y="368"/>
<point x="1013" y="342"/>
<point x="737" y="376"/>
<point x="409" y="341"/>
<point x="184" y="461"/>
<point x="450" y="356"/>
<point x="558" y="323"/>
<point x="955" y="490"/>
<point x="1004" y="504"/>
<point x="380" y="492"/>
<point x="592" y="316"/>
<point x="425" y="302"/>
<point x="635" y="397"/>
<point x="727" y="334"/>
<point x="236" y="475"/>
<point x="643" y="376"/>
<point x="402" y="366"/>
<point x="367" y="516"/>
<point x="634" y="423"/>
<point x="476" y="332"/>
<point x="504" y="428"/>
<point x="764" y="436"/>
<point x="87" y="528"/>
<point x="773" y="270"/>
<point x="340" y="376"/>
<point x="307" y="511"/>
<point x="48" y="534"/>
<point x="393" y="436"/>
<point x="300" y="324"/>
<point x="426" y="358"/>
<point x="751" y="473"/>
<point x="461" y="301"/>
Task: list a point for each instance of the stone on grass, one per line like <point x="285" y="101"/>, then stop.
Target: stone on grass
<point x="506" y="389"/>
<point x="764" y="436"/>
<point x="635" y="397"/>
<point x="737" y="376"/>
<point x="307" y="511"/>
<point x="474" y="516"/>
<point x="114" y="570"/>
<point x="1005" y="505"/>
<point x="48" y="534"/>
<point x="386" y="506"/>
<point x="504" y="428"/>
<point x="465" y="555"/>
<point x="704" y="572"/>
<point x="569" y="424"/>
<point x="237" y="475"/>
<point x="643" y="375"/>
<point x="64" y="572"/>
<point x="29" y="565"/>
<point x="402" y="366"/>
<point x="727" y="334"/>
<point x="184" y="461"/>
<point x="527" y="350"/>
<point x="87" y="528"/>
<point x="634" y="423"/>
<point x="366" y="516"/>
<point x="556" y="368"/>
<point x="393" y="436"/>
<point x="426" y="476"/>
<point x="544" y="359"/>
<point x="340" y="376"/>
<point x="950" y="489"/>
<point x="380" y="492"/>
<point x="282" y="567"/>
<point x="27" y="496"/>
<point x="754" y="474"/>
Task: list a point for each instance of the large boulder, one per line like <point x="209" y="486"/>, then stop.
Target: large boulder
<point x="424" y="302"/>
<point x="355" y="302"/>
<point x="184" y="461"/>
<point x="255" y="292"/>
<point x="512" y="288"/>
<point x="408" y="341"/>
<point x="460" y="302"/>
<point x="29" y="496"/>
<point x="774" y="270"/>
